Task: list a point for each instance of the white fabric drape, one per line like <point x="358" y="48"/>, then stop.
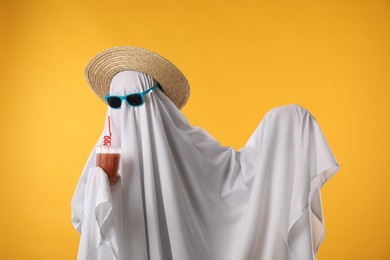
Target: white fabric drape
<point x="181" y="195"/>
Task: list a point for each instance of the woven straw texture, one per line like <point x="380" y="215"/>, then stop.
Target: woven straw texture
<point x="102" y="68"/>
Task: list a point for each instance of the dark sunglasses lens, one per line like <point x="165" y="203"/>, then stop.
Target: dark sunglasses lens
<point x="134" y="100"/>
<point x="114" y="102"/>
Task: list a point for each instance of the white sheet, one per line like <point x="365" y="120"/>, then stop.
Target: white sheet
<point x="184" y="196"/>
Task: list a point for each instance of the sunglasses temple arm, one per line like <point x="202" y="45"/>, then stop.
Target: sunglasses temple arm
<point x="151" y="89"/>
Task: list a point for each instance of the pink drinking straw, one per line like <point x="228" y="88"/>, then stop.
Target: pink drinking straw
<point x="107" y="138"/>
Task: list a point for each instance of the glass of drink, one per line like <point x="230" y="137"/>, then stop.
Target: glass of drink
<point x="107" y="158"/>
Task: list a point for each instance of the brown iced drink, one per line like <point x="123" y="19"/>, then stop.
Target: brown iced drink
<point x="107" y="158"/>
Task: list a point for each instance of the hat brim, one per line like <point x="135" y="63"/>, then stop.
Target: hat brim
<point x="102" y="68"/>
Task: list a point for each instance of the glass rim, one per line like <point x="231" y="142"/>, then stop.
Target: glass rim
<point x="103" y="148"/>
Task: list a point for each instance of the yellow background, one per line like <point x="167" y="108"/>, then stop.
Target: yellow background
<point x="242" y="58"/>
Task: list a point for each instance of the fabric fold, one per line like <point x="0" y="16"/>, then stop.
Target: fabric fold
<point x="98" y="239"/>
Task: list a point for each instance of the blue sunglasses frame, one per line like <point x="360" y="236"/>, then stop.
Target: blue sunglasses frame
<point x="142" y="94"/>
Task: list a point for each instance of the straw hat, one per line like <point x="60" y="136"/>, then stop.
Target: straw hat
<point x="102" y="68"/>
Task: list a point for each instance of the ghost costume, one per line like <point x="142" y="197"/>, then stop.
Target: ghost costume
<point x="183" y="196"/>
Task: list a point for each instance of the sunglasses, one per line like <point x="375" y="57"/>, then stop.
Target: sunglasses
<point x="134" y="99"/>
